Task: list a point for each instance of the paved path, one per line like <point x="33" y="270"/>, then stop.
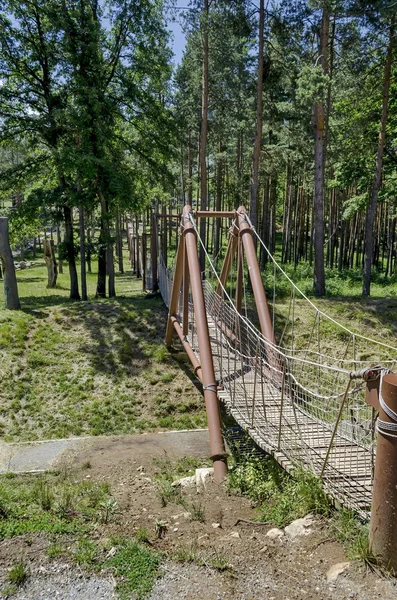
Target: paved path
<point x="36" y="457"/>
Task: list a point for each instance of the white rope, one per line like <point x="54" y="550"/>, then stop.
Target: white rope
<point x="385" y="427"/>
<point x="313" y="305"/>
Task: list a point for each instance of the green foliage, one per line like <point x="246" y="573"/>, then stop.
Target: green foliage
<point x="51" y="504"/>
<point x="18" y="574"/>
<point x="312" y="85"/>
<point x="136" y="567"/>
<point x="281" y="498"/>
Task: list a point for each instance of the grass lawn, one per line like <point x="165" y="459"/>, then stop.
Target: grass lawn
<point x="90" y="368"/>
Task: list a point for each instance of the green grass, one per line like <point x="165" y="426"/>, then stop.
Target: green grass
<point x="136" y="567"/>
<point x="18" y="574"/>
<point x="49" y="504"/>
<point x="93" y="368"/>
<point x="279" y="497"/>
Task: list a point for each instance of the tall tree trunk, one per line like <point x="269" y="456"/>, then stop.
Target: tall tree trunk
<point x="204" y="128"/>
<point x="371" y="210"/>
<point x="52" y="268"/>
<point x="319" y="125"/>
<point x="60" y="262"/>
<point x="189" y="171"/>
<point x="218" y="200"/>
<point x="11" y="296"/>
<point x="82" y="255"/>
<point x="259" y="120"/>
<point x="101" y="281"/>
<point x="69" y="245"/>
<point x="109" y="245"/>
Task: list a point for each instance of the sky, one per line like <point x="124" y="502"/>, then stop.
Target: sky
<point x="178" y="43"/>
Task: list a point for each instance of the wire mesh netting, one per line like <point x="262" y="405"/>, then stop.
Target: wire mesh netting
<point x="303" y="400"/>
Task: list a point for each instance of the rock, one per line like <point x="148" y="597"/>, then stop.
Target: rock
<point x="201" y="477"/>
<point x="264" y="549"/>
<point x="185" y="515"/>
<point x="300" y="527"/>
<point x="216" y="525"/>
<point x="184" y="482"/>
<point x="235" y="534"/>
<point x="275" y="533"/>
<point x="336" y="570"/>
<point x="140" y="469"/>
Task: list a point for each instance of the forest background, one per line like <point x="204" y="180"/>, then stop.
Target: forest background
<point x="285" y="107"/>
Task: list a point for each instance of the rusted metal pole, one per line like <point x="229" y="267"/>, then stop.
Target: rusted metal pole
<point x="255" y="276"/>
<point x="189" y="350"/>
<point x="215" y="213"/>
<point x="227" y="263"/>
<point x="176" y="289"/>
<point x="383" y="528"/>
<point x="240" y="274"/>
<point x="186" y="283"/>
<point x="154" y="254"/>
<point x="218" y="453"/>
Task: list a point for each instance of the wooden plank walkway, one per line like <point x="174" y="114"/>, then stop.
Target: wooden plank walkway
<point x="304" y="439"/>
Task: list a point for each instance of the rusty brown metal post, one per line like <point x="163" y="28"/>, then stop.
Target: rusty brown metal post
<point x="218" y="453"/>
<point x="227" y="263"/>
<point x="255" y="276"/>
<point x="186" y="283"/>
<point x="240" y="274"/>
<point x="383" y="528"/>
<point x="215" y="213"/>
<point x="176" y="289"/>
<point x="189" y="350"/>
<point x="154" y="253"/>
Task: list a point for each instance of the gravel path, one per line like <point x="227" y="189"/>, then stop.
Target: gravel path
<point x="65" y="585"/>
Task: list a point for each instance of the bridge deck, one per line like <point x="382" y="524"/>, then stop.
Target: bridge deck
<point x="258" y="407"/>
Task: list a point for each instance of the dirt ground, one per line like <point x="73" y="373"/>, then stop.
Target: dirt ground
<point x="259" y="567"/>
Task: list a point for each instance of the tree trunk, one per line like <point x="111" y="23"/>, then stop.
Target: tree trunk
<point x="371" y="210"/>
<point x="69" y="245"/>
<point x="203" y="132"/>
<point x="259" y="120"/>
<point x="60" y="263"/>
<point x="218" y="200"/>
<point x="11" y="296"/>
<point x="82" y="255"/>
<point x="108" y="246"/>
<point x="189" y="171"/>
<point x="101" y="281"/>
<point x="52" y="269"/>
<point x="319" y="125"/>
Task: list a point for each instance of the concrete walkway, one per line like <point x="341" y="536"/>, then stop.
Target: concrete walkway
<point x="46" y="455"/>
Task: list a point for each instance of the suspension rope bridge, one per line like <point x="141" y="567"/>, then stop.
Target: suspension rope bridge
<point x="310" y="399"/>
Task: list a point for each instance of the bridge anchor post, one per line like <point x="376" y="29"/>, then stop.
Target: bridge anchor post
<point x="383" y="527"/>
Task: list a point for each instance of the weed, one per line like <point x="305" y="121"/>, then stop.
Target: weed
<point x="43" y="494"/>
<point x="65" y="505"/>
<point x="142" y="536"/>
<point x="160" y="528"/>
<point x="108" y="508"/>
<point x="54" y="551"/>
<point x="187" y="554"/>
<point x="18" y="574"/>
<point x="282" y="498"/>
<point x="136" y="567"/>
<point x="87" y="553"/>
<point x="86" y="465"/>
<point x="168" y="493"/>
<point x="196" y="511"/>
<point x="218" y="561"/>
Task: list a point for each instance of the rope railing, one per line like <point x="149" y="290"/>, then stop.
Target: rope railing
<point x="301" y="401"/>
